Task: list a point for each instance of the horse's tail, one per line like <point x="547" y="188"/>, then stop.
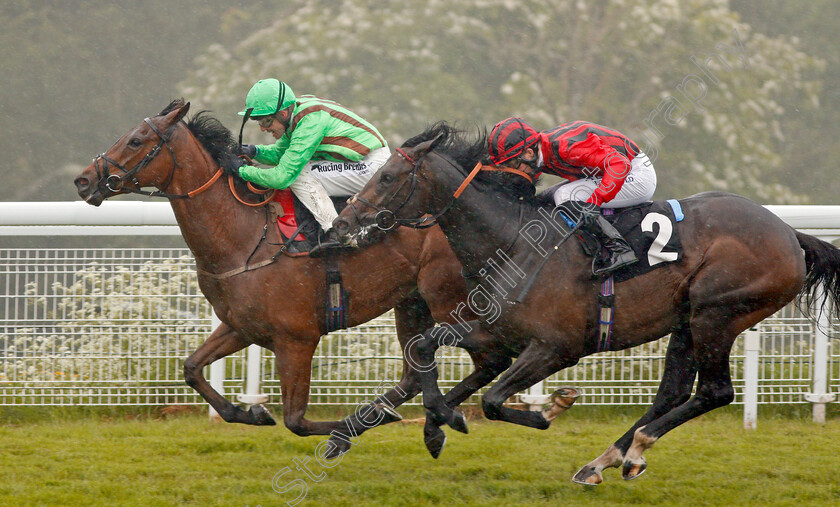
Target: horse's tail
<point x="822" y="265"/>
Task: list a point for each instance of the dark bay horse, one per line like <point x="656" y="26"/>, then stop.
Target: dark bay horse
<point x="740" y="265"/>
<point x="277" y="305"/>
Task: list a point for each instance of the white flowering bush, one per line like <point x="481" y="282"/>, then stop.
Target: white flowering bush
<point x="621" y="63"/>
<point x="112" y="323"/>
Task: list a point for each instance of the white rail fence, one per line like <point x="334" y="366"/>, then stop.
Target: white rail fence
<point x="112" y="326"/>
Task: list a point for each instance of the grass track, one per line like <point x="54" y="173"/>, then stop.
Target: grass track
<point x="96" y="460"/>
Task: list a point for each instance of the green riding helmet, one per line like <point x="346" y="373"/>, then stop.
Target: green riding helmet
<point x="268" y="96"/>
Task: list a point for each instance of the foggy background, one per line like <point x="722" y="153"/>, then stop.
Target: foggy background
<point x="76" y="76"/>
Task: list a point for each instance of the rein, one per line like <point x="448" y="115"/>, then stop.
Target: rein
<point x="271" y="192"/>
<point x="481" y="167"/>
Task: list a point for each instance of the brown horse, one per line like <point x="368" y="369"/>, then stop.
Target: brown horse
<point x="260" y="296"/>
<point x="740" y="264"/>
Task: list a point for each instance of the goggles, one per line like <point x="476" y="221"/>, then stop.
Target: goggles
<point x="264" y="121"/>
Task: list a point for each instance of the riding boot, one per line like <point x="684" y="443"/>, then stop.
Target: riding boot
<point x="619" y="251"/>
<point x="328" y="243"/>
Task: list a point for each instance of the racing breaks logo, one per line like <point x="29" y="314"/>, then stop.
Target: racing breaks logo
<point x="330" y="168"/>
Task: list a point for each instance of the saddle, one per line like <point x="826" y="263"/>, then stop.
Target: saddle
<point x="649" y="228"/>
<point x="297" y="226"/>
<point x="651" y="231"/>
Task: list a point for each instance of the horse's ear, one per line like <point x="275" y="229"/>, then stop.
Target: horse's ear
<point x="178" y="113"/>
<point x="182" y="111"/>
<point x="436" y="141"/>
<point x="427" y="146"/>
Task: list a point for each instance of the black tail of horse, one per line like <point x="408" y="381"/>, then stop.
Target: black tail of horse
<point x="822" y="264"/>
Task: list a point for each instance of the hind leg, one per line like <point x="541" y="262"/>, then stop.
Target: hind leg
<point x="674" y="390"/>
<point x="714" y="331"/>
<point x="223" y="342"/>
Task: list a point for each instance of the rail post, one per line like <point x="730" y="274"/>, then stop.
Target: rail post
<point x="217" y="373"/>
<point x="252" y="394"/>
<point x="819" y="394"/>
<point x="752" y="347"/>
<point x="536" y="397"/>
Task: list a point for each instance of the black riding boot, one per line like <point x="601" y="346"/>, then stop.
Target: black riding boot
<point x="620" y="253"/>
<point x="328" y="244"/>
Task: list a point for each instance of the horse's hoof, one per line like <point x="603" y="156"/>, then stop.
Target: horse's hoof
<point x="435" y="439"/>
<point x="336" y="448"/>
<point x="389" y="415"/>
<point x="630" y="470"/>
<point x="458" y="422"/>
<point x="261" y="416"/>
<point x="588" y="476"/>
<point x="565" y="396"/>
<point x="560" y="401"/>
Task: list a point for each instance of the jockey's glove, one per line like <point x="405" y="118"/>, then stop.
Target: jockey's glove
<point x="249" y="150"/>
<point x="231" y="163"/>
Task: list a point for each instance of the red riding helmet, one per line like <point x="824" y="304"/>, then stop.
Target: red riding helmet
<point x="511" y="138"/>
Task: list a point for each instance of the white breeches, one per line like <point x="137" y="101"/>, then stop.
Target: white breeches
<point x="320" y="179"/>
<point x="638" y="187"/>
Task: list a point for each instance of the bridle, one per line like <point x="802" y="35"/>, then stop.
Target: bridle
<point x="114" y="183"/>
<point x="386" y="219"/>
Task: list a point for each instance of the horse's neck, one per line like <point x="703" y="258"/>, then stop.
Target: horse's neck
<point x="476" y="228"/>
<point x="220" y="232"/>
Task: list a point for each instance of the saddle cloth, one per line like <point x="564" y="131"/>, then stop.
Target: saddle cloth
<point x="651" y="230"/>
<point x="293" y="218"/>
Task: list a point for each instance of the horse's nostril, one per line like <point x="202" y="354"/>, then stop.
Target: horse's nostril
<point x="82" y="183"/>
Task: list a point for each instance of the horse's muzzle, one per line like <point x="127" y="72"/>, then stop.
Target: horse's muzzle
<point x="88" y="191"/>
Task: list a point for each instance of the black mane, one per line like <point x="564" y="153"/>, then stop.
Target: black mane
<point x="213" y="136"/>
<point x="210" y="132"/>
<point x="465" y="151"/>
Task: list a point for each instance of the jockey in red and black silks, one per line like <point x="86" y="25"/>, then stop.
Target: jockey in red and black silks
<point x="582" y="150"/>
<point x="601" y="166"/>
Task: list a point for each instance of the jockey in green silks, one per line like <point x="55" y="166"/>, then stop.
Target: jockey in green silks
<point x="323" y="149"/>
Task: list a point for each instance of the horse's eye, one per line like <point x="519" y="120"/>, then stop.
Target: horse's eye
<point x="386" y="178"/>
<point x="135" y="143"/>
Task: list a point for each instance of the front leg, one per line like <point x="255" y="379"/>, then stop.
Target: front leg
<point x="223" y="342"/>
<point x="293" y="357"/>
<point x="535" y="363"/>
<point x="441" y="409"/>
<point x="487" y="368"/>
<point x="420" y="354"/>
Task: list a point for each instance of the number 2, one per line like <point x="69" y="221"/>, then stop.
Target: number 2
<point x="656" y="254"/>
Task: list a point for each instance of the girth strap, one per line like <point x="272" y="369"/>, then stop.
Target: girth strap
<point x="337" y="298"/>
<point x="606" y="300"/>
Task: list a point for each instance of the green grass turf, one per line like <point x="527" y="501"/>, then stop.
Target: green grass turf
<point x="109" y="457"/>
